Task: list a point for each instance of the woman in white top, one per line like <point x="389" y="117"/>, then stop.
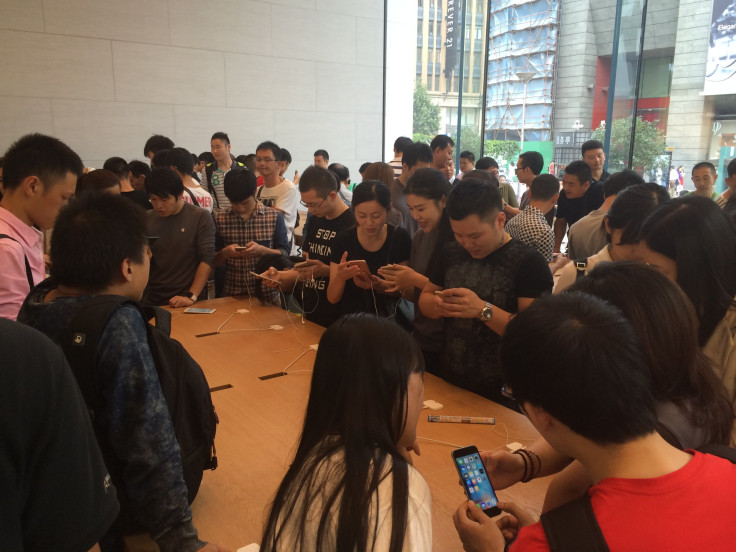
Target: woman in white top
<point x="350" y="486"/>
<point x="623" y="222"/>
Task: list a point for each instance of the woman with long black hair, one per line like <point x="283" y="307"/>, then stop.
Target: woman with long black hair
<point x="350" y="486"/>
<point x="692" y="242"/>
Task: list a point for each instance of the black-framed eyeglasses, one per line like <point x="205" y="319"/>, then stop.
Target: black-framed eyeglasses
<point x="312" y="206"/>
<point x="507" y="393"/>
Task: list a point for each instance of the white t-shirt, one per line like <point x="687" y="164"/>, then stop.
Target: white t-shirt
<point x="285" y="198"/>
<point x="566" y="276"/>
<point x="203" y="197"/>
<point x="418" y="537"/>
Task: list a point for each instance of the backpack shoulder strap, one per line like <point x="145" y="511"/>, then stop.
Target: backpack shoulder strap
<point x="208" y="170"/>
<point x="29" y="274"/>
<point x="581" y="265"/>
<point x="191" y="194"/>
<point x="81" y="339"/>
<point x="573" y="527"/>
<point x="717" y="449"/>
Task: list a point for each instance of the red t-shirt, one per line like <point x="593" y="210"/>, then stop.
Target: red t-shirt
<point x="693" y="508"/>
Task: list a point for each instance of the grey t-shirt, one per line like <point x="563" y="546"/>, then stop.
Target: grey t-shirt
<point x="184" y="240"/>
<point x="398" y="200"/>
<point x="427" y="331"/>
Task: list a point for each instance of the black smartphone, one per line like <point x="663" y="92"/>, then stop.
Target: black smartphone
<point x="475" y="480"/>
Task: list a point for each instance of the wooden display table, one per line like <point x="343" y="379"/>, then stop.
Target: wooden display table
<point x="261" y="420"/>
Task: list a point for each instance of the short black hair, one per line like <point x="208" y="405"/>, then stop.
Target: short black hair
<point x="372" y="190"/>
<point x="156" y="143"/>
<point x="96" y="181"/>
<point x="322" y="181"/>
<point x="631" y="208"/>
<point x="92" y="236"/>
<point x="417" y="152"/>
<point x="441" y="141"/>
<point x="118" y="166"/>
<point x="164" y="182"/>
<point x="580" y="331"/>
<point x="341" y="171"/>
<point x="485" y="163"/>
<point x="323" y="154"/>
<point x="705" y="165"/>
<point x="590" y="145"/>
<point x="580" y="170"/>
<point x="206" y="156"/>
<point x="249" y="161"/>
<point x="159" y="159"/>
<point x="286" y="156"/>
<point x="544" y="187"/>
<point x="618" y="182"/>
<point x="473" y="197"/>
<point x="469" y="155"/>
<point x="240" y="184"/>
<point x="480" y="174"/>
<point x="365" y="165"/>
<point x="181" y="159"/>
<point x="221" y="136"/>
<point x="275" y="149"/>
<point x="139" y="168"/>
<point x="731" y="169"/>
<point x="401" y="143"/>
<point x="533" y="160"/>
<point x="47" y="158"/>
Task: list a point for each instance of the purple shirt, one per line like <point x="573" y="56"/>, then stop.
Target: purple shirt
<point x="14" y="282"/>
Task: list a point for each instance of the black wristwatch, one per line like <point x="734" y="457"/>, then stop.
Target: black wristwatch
<point x="487" y="313"/>
<point x="191" y="296"/>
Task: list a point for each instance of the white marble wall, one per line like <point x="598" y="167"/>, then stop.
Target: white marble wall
<point x="104" y="75"/>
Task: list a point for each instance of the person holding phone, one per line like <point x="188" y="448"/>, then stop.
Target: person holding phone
<point x="373" y="241"/>
<point x="585" y="387"/>
<point x="484" y="277"/>
<point x="350" y="485"/>
<point x="426" y="194"/>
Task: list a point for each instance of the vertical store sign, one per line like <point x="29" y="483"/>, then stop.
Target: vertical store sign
<point x="720" y="69"/>
<point x="450" y="43"/>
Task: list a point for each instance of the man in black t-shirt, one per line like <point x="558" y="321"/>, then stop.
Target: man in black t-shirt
<point x="330" y="215"/>
<point x="579" y="196"/>
<point x="484" y="277"/>
<point x="55" y="491"/>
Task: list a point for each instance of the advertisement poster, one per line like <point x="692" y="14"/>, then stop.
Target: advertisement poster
<point x="720" y="70"/>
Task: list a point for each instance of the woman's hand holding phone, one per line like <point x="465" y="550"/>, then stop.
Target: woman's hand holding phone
<point x="346" y="271"/>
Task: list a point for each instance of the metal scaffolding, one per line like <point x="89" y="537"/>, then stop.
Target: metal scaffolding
<point x="522" y="38"/>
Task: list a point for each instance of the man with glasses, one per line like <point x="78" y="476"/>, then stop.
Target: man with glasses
<point x="276" y="192"/>
<point x="330" y="216"/>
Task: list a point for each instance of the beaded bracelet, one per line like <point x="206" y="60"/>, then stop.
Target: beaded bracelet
<point x="530" y="469"/>
<point x="526" y="464"/>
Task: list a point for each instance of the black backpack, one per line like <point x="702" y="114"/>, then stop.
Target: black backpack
<point x="182" y="381"/>
<point x="573" y="526"/>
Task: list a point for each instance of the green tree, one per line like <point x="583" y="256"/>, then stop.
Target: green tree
<point x="649" y="144"/>
<point x="502" y="149"/>
<point x="426" y="114"/>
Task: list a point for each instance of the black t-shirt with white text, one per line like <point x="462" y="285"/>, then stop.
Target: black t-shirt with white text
<point x="318" y="242"/>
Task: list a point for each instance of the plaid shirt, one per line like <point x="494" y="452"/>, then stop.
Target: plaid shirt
<point x="262" y="227"/>
<point x="530" y="227"/>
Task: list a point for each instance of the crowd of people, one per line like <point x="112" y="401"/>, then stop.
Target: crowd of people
<point x="620" y="350"/>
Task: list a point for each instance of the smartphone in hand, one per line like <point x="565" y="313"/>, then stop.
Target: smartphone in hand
<point x="475" y="480"/>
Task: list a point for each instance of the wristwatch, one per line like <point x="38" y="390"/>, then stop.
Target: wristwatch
<point x="191" y="296"/>
<point x="487" y="313"/>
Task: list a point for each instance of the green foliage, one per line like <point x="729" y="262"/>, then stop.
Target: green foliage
<point x="649" y="144"/>
<point x="424" y="138"/>
<point x="502" y="149"/>
<point x="426" y="114"/>
<point x="469" y="141"/>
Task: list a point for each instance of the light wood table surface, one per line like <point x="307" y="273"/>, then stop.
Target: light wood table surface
<point x="260" y="422"/>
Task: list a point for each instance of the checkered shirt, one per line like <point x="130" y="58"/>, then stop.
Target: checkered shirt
<point x="530" y="227"/>
<point x="233" y="229"/>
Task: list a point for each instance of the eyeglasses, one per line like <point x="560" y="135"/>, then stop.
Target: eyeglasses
<point x="517" y="169"/>
<point x="312" y="205"/>
<point x="507" y="393"/>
